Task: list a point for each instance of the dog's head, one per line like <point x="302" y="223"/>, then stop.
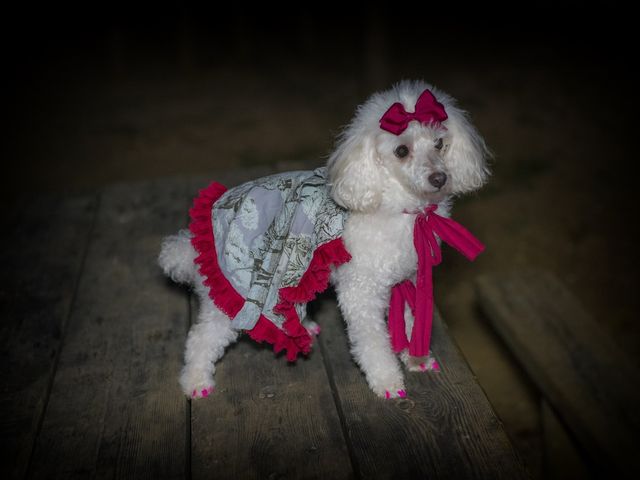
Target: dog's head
<point x="385" y="157"/>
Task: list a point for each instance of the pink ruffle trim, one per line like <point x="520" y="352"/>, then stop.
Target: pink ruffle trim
<point x="221" y="291"/>
<point x="294" y="338"/>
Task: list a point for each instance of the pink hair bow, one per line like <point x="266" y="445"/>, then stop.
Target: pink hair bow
<point x="427" y="110"/>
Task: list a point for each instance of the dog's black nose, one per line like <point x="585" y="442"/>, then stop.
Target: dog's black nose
<point x="438" y="179"/>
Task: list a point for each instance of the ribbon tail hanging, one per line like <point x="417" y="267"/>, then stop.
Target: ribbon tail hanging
<point x="421" y="332"/>
<point x="401" y="294"/>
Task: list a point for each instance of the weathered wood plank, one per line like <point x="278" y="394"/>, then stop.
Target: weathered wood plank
<point x="561" y="459"/>
<point x="577" y="366"/>
<point x="267" y="418"/>
<point x="446" y="427"/>
<point x="41" y="252"/>
<point x="115" y="410"/>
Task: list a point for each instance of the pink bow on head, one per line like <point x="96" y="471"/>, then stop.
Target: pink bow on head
<point x="428" y="110"/>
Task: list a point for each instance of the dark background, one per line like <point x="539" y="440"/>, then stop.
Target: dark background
<point x="68" y="69"/>
<point x="106" y="94"/>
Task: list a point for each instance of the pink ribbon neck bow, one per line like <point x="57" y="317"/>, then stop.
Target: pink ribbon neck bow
<point x="427" y="225"/>
<point x="428" y="110"/>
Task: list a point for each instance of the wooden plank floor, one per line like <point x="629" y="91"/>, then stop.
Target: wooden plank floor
<point x="92" y="338"/>
<point x="581" y="372"/>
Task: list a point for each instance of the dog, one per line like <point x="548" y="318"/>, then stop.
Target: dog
<point x="356" y="223"/>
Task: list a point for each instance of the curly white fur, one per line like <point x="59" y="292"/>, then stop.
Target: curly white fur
<point x="379" y="189"/>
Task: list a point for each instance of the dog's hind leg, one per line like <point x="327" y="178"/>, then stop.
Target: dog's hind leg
<point x="206" y="343"/>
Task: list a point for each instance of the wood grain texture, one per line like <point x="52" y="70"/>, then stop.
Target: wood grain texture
<point x="268" y="418"/>
<point x="445" y="429"/>
<point x="41" y="253"/>
<point x="561" y="459"/>
<point x="577" y="366"/>
<point x="115" y="409"/>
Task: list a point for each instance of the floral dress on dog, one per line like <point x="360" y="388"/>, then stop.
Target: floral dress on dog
<point x="266" y="249"/>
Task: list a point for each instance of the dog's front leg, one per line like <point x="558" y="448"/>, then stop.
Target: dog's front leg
<point x="363" y="304"/>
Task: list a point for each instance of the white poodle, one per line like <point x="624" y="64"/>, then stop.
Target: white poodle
<point x="256" y="254"/>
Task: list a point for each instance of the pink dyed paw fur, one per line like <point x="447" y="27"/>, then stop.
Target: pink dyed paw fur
<point x="421" y="364"/>
<point x="205" y="392"/>
<point x="430" y="365"/>
<point x="313" y="328"/>
<point x="398" y="394"/>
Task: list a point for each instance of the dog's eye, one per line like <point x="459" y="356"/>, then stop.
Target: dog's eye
<point x="401" y="151"/>
<point x="438" y="144"/>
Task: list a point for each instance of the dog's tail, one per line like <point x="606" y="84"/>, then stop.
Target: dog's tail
<point x="177" y="257"/>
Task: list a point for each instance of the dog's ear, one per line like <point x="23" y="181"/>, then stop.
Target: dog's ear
<point x="467" y="153"/>
<point x="354" y="174"/>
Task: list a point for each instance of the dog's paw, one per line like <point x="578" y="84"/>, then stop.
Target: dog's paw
<point x="397" y="394"/>
<point x="388" y="390"/>
<point x="202" y="392"/>
<point x="420" y="364"/>
<point x="312" y="327"/>
<point x="385" y="379"/>
<point x="199" y="390"/>
<point x="196" y="384"/>
<point x="430" y="365"/>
